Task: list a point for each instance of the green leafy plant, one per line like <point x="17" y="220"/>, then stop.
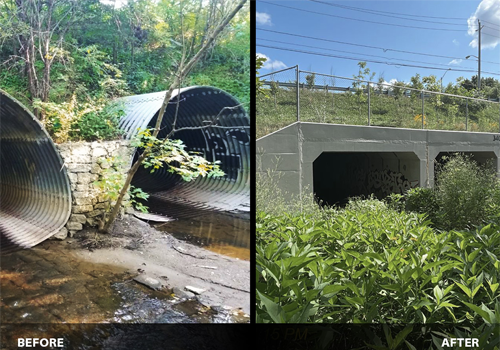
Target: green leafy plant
<point x="259" y="63"/>
<point x="369" y="263"/>
<point x="395" y="201"/>
<point x="77" y="121"/>
<point x="98" y="125"/>
<point x="423" y="201"/>
<point x="110" y="183"/>
<point x="161" y="152"/>
<point x="465" y="192"/>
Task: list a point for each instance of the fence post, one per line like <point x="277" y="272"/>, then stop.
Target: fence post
<point x="369" y="109"/>
<point x="298" y="93"/>
<point x="466" y="114"/>
<point x="499" y="116"/>
<point x="423" y="110"/>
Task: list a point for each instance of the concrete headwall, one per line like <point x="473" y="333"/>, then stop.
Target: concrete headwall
<point x="84" y="165"/>
<point x="407" y="156"/>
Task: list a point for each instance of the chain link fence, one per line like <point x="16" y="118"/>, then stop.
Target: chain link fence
<point x="295" y="95"/>
<point x="277" y="107"/>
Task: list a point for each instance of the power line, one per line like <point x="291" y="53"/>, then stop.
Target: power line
<point x="485" y="26"/>
<point x="383" y="14"/>
<point x="361" y="20"/>
<point x="490" y="23"/>
<point x="367" y="46"/>
<point x="373" y="61"/>
<point x="410" y="15"/>
<point x="483" y="33"/>
<point x="356" y="53"/>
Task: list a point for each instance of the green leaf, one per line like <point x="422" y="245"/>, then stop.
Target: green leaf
<point x="274" y="310"/>
<point x="493" y="286"/>
<point x="410" y="346"/>
<point x="465" y="289"/>
<point x="331" y="290"/>
<point x="438" y="294"/>
<point x="473" y="255"/>
<point x="402" y="336"/>
<point x="487" y="316"/>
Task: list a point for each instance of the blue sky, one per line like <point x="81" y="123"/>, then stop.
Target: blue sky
<point x="455" y="36"/>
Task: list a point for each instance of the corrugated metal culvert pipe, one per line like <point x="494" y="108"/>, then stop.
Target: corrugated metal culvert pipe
<point x="35" y="197"/>
<point x="228" y="141"/>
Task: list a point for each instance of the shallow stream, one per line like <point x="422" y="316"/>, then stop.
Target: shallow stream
<point x="50" y="284"/>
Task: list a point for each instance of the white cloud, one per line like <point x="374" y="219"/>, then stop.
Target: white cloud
<point x="456" y="61"/>
<point x="263" y="18"/>
<point x="455" y="42"/>
<point x="271" y="64"/>
<point x="488" y="11"/>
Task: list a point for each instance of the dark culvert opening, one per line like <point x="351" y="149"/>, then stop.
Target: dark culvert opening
<point x="487" y="159"/>
<point x="337" y="176"/>
<point x="228" y="142"/>
<point x="35" y="197"/>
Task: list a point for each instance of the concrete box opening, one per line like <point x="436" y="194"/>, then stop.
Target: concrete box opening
<point x="337" y="176"/>
<point x="488" y="159"/>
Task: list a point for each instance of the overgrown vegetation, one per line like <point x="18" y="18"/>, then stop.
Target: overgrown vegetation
<point x="466" y="194"/>
<point x="375" y="262"/>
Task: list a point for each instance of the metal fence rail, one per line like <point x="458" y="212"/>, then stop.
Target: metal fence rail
<point x="297" y="95"/>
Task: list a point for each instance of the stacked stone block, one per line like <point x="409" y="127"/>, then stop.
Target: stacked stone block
<point x="84" y="164"/>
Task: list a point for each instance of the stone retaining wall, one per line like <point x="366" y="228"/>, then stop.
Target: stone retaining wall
<point x="85" y="162"/>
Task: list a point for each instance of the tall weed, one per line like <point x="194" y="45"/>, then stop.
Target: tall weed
<point x="466" y="192"/>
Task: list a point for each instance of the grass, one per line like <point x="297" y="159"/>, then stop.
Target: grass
<point x="440" y="112"/>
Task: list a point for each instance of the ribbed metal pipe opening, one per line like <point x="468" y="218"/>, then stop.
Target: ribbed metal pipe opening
<point x="35" y="196"/>
<point x="228" y="142"/>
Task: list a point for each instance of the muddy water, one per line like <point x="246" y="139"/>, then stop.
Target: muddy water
<point x="223" y="233"/>
<point x="49" y="284"/>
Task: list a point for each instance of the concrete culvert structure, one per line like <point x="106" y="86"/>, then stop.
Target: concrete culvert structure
<point x="228" y="141"/>
<point x="35" y="197"/>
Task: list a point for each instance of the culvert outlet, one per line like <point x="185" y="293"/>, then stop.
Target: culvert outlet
<point x="228" y="140"/>
<point x="35" y="197"/>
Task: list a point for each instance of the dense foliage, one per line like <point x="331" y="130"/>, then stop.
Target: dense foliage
<point x="375" y="262"/>
<point x="66" y="59"/>
<point x="466" y="194"/>
<point x="372" y="264"/>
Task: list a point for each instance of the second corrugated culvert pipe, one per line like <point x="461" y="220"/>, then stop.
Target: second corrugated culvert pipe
<point x="228" y="140"/>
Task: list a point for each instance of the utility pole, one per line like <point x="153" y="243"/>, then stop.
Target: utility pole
<point x="479" y="57"/>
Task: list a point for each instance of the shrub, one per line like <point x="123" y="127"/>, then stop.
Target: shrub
<point x="395" y="201"/>
<point x="98" y="124"/>
<point x="423" y="201"/>
<point x="374" y="264"/>
<point x="465" y="192"/>
<point x="81" y="121"/>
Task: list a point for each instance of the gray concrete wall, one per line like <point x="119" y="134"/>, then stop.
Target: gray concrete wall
<point x="292" y="151"/>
